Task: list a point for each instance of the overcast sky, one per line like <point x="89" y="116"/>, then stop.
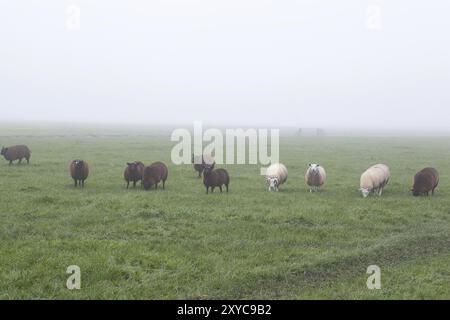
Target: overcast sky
<point x="314" y="63"/>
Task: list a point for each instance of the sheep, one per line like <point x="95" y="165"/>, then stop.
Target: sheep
<point x="16" y="153"/>
<point x="133" y="172"/>
<point x="199" y="163"/>
<point x="276" y="175"/>
<point x="374" y="179"/>
<point x="425" y="181"/>
<point x="154" y="174"/>
<point x="315" y="177"/>
<point x="79" y="170"/>
<point x="215" y="178"/>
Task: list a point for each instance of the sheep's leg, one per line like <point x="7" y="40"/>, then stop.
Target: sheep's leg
<point x="212" y="189"/>
<point x="220" y="187"/>
<point x="128" y="184"/>
<point x="20" y="160"/>
<point x="82" y="183"/>
<point x="432" y="192"/>
<point x="76" y="182"/>
<point x="28" y="160"/>
<point x="10" y="162"/>
<point x="227" y="187"/>
<point x="207" y="190"/>
<point x="380" y="191"/>
<point x="164" y="184"/>
<point x="134" y="184"/>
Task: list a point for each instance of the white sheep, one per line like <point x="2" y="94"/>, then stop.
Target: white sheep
<point x="315" y="177"/>
<point x="374" y="179"/>
<point x="276" y="175"/>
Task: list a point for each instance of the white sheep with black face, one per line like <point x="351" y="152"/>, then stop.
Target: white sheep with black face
<point x="315" y="177"/>
<point x="276" y="175"/>
<point x="374" y="180"/>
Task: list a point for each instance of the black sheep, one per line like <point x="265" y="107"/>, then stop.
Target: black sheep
<point x="215" y="178"/>
<point x="79" y="170"/>
<point x="425" y="181"/>
<point x="16" y="153"/>
<point x="154" y="174"/>
<point x="133" y="172"/>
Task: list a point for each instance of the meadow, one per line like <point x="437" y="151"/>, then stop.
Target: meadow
<point x="180" y="243"/>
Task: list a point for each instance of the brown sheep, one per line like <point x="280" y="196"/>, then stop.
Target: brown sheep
<point x="200" y="162"/>
<point x="16" y="153"/>
<point x="215" y="178"/>
<point x="79" y="170"/>
<point x="154" y="174"/>
<point x="133" y="172"/>
<point x="425" y="181"/>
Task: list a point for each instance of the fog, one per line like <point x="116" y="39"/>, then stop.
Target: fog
<point x="299" y="63"/>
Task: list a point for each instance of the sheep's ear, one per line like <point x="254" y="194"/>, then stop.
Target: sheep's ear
<point x="310" y="165"/>
<point x="128" y="164"/>
<point x="318" y="165"/>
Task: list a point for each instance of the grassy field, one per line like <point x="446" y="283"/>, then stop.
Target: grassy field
<point x="249" y="244"/>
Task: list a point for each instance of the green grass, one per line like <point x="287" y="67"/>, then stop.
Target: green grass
<point x="248" y="244"/>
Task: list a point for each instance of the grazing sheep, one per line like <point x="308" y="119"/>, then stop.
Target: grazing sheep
<point x="16" y="153"/>
<point x="154" y="174"/>
<point x="215" y="178"/>
<point x="374" y="179"/>
<point x="79" y="170"/>
<point x="425" y="181"/>
<point x="200" y="162"/>
<point x="133" y="172"/>
<point x="276" y="175"/>
<point x="315" y="177"/>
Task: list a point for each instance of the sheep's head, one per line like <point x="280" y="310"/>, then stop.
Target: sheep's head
<point x="79" y="164"/>
<point x="314" y="167"/>
<point x="273" y="183"/>
<point x="132" y="166"/>
<point x="365" y="192"/>
<point x="415" y="192"/>
<point x="207" y="168"/>
<point x="148" y="183"/>
<point x="3" y="150"/>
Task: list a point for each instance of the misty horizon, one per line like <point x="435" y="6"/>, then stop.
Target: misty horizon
<point x="298" y="64"/>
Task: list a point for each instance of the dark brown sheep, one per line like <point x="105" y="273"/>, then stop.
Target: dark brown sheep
<point x="79" y="170"/>
<point x="154" y="174"/>
<point x="425" y="181"/>
<point x="200" y="162"/>
<point x="16" y="153"/>
<point x="133" y="172"/>
<point x="215" y="178"/>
